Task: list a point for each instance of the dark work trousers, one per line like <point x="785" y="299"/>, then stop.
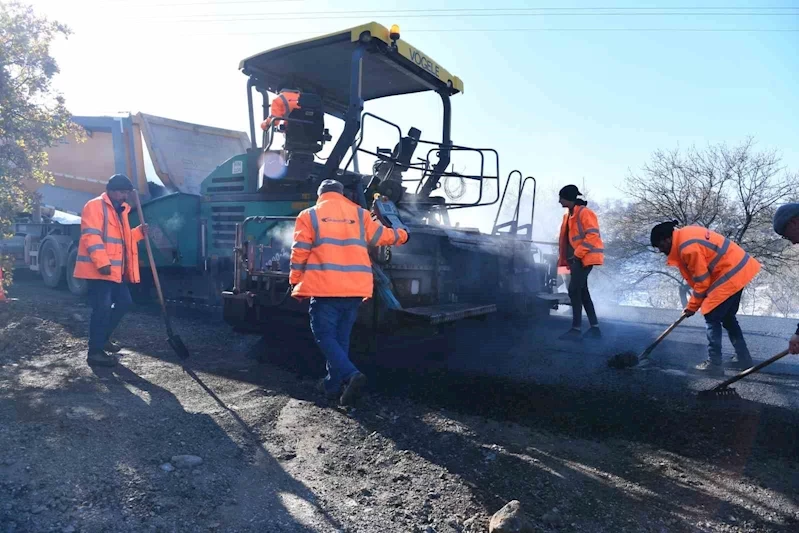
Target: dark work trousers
<point x="724" y="316"/>
<point x="332" y="320"/>
<point x="110" y="301"/>
<point x="579" y="295"/>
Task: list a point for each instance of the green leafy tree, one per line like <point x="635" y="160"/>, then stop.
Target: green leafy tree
<point x="32" y="114"/>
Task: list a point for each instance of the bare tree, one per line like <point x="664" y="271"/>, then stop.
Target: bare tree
<point x="731" y="190"/>
<point x="782" y="292"/>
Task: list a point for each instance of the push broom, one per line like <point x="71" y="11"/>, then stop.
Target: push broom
<point x="723" y="390"/>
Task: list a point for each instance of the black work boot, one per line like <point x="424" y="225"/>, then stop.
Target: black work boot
<point x="593" y="333"/>
<point x="574" y="334"/>
<point x="710" y="368"/>
<point x="320" y="387"/>
<point x="111" y="346"/>
<point x="739" y="363"/>
<point x="100" y="358"/>
<point x="352" y="389"/>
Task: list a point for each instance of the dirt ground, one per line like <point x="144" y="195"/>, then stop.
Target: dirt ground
<point x="85" y="450"/>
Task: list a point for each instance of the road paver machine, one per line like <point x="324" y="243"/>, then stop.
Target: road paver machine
<point x="237" y="253"/>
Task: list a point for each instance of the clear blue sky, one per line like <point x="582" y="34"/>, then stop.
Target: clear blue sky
<point x="560" y="96"/>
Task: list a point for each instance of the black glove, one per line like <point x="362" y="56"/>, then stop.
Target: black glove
<point x="106" y="270"/>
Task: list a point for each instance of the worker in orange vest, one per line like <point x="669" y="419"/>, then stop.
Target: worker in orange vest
<point x="330" y="264"/>
<point x="717" y="270"/>
<point x="786" y="224"/>
<point x="281" y="107"/>
<point x="580" y="250"/>
<point x="108" y="257"/>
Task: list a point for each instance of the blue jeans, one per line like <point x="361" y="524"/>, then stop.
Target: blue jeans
<point x="332" y="320"/>
<point x="110" y="301"/>
<point x="724" y="316"/>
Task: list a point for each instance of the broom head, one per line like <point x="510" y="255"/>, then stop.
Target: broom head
<point x="724" y="393"/>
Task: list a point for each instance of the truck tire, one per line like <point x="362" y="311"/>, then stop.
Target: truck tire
<point x="51" y="263"/>
<point x="77" y="286"/>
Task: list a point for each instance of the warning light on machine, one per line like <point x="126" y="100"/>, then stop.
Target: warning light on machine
<point x="395" y="32"/>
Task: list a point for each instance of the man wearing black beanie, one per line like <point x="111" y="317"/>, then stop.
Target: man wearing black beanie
<point x="108" y="257"/>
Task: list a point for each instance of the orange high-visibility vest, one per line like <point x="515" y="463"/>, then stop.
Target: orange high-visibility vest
<point x="104" y="238"/>
<point x="581" y="228"/>
<point x="329" y="257"/>
<point x="281" y="107"/>
<point x="714" y="266"/>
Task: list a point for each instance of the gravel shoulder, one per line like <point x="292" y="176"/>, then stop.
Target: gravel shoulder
<point x="98" y="450"/>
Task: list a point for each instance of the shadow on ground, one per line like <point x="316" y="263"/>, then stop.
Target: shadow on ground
<point x="120" y="428"/>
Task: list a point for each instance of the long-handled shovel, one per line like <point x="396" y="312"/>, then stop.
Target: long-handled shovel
<point x="723" y="390"/>
<point x="628" y="359"/>
<point x="174" y="340"/>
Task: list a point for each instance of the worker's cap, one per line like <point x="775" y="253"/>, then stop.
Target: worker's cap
<point x="783" y="216"/>
<point x="330" y="186"/>
<point x="662" y="231"/>
<point x="119" y="182"/>
<point x="570" y="193"/>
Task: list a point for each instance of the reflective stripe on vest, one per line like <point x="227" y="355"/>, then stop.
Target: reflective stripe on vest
<point x="315" y="224"/>
<point x="332" y="267"/>
<point x="286" y="104"/>
<point x="592" y="249"/>
<point x="318" y="241"/>
<point x="104" y="234"/>
<point x="376" y="236"/>
<point x="712" y="265"/>
<point x="725" y="278"/>
<point x="105" y="221"/>
<point x="113" y="240"/>
<point x="582" y="232"/>
<point x="87" y="259"/>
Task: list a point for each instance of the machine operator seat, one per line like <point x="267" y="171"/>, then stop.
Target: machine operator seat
<point x="300" y="117"/>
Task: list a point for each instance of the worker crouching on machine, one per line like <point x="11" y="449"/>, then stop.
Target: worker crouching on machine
<point x="330" y="264"/>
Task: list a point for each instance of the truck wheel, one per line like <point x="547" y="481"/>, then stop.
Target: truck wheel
<point x="77" y="286"/>
<point x="51" y="264"/>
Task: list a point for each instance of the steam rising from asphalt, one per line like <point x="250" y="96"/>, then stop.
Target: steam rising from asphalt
<point x="282" y="237"/>
<point x="174" y="223"/>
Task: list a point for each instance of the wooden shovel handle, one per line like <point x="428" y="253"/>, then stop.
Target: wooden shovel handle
<point x="663" y="335"/>
<point x="152" y="263"/>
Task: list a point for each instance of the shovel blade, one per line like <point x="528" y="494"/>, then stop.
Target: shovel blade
<point x="623" y="360"/>
<point x="177" y="345"/>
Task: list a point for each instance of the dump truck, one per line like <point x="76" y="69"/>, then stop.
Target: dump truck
<point x="230" y="244"/>
<point x="181" y="155"/>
